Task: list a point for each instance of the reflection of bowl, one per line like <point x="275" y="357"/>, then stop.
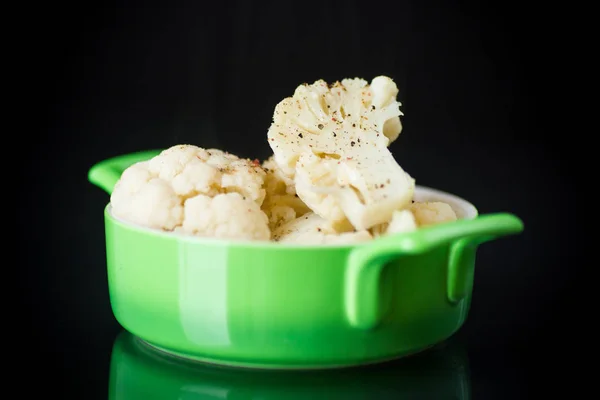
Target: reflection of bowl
<point x="274" y="305"/>
<point x="139" y="372"/>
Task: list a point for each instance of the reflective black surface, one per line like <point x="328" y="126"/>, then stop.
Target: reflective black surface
<point x="126" y="368"/>
<point x="128" y="76"/>
<point x="138" y="371"/>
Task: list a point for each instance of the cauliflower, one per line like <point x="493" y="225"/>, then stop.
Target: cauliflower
<point x="331" y="178"/>
<point x="194" y="170"/>
<point x="281" y="203"/>
<point x="432" y="213"/>
<point x="402" y="221"/>
<point x="143" y="199"/>
<point x="228" y="216"/>
<point x="332" y="141"/>
<point x="312" y="229"/>
<point x="418" y="214"/>
<point x="276" y="182"/>
<point x="168" y="192"/>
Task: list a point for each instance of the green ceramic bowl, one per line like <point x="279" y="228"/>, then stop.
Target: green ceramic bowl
<point x="138" y="372"/>
<point x="269" y="305"/>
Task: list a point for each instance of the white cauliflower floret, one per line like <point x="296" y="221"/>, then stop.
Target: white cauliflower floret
<point x="194" y="170"/>
<point x="384" y="93"/>
<point x="312" y="229"/>
<point x="432" y="213"/>
<point x="332" y="140"/>
<point x="276" y="182"/>
<point x="315" y="176"/>
<point x="226" y="216"/>
<point x="283" y="208"/>
<point x="419" y="214"/>
<point x="402" y="221"/>
<point x="281" y="203"/>
<point x="144" y="199"/>
<point x="155" y="193"/>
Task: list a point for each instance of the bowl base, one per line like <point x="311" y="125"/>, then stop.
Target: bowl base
<point x="260" y="366"/>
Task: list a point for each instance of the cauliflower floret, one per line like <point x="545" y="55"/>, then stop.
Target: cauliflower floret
<point x="143" y="199"/>
<point x="384" y="93"/>
<point x="432" y="213"/>
<point x="419" y="214"/>
<point x="155" y="193"/>
<point x="312" y="229"/>
<point x="332" y="140"/>
<point x="226" y="216"/>
<point x="281" y="203"/>
<point x="402" y="221"/>
<point x="314" y="179"/>
<point x="276" y="182"/>
<point x="193" y="170"/>
<point x="283" y="208"/>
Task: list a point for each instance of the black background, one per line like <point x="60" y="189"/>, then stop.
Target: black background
<point x="135" y="75"/>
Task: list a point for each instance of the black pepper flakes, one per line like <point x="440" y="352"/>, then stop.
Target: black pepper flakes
<point x="354" y="125"/>
<point x="372" y="107"/>
<point x="334" y="134"/>
<point x="320" y="126"/>
<point x="352" y="143"/>
<point x="300" y="135"/>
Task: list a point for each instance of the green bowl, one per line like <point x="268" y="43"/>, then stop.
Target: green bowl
<point x="138" y="372"/>
<point x="273" y="305"/>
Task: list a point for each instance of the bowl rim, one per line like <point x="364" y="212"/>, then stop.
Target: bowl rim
<point x="463" y="208"/>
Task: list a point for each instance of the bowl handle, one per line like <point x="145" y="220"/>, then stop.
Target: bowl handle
<point x="106" y="173"/>
<point x="366" y="262"/>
